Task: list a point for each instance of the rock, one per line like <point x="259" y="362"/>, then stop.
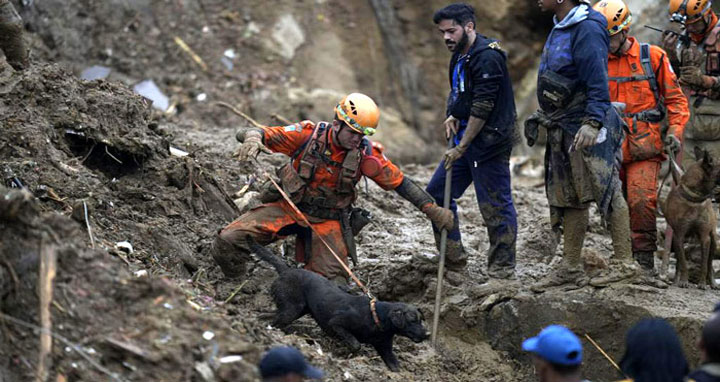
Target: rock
<point x="288" y="36"/>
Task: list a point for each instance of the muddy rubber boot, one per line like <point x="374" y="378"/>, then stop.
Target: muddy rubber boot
<point x="231" y="259"/>
<point x="502" y="273"/>
<point x="570" y="272"/>
<point x="618" y="271"/>
<point x="648" y="276"/>
<point x="619" y="220"/>
<point x="646" y="259"/>
<point x="456" y="257"/>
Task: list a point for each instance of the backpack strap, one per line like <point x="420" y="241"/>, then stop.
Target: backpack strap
<point x="319" y="131"/>
<point x="650" y="73"/>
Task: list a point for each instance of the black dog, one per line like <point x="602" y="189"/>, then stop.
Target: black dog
<point x="298" y="292"/>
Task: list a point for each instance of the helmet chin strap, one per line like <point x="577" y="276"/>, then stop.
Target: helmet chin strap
<point x="619" y="51"/>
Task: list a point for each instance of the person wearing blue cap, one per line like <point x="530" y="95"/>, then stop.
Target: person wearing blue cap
<point x="556" y="354"/>
<point x="286" y="364"/>
<point x="709" y="346"/>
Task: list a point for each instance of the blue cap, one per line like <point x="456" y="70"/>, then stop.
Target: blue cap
<point x="284" y="360"/>
<point x="556" y="344"/>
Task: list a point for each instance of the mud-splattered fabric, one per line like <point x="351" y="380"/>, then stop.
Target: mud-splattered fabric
<point x="640" y="188"/>
<point x="274" y="221"/>
<point x="491" y="179"/>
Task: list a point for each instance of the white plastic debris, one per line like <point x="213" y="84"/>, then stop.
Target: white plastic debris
<point x="124" y="246"/>
<point x="319" y="351"/>
<point x="177" y="152"/>
<point x="141" y="273"/>
<point x="231" y="359"/>
<point x="206" y="29"/>
<point x="96" y="72"/>
<point x="229" y="53"/>
<point x="208" y="335"/>
<point x="227" y="62"/>
<point x="167" y="305"/>
<point x="347" y="376"/>
<point x="149" y="90"/>
<point x="201" y="97"/>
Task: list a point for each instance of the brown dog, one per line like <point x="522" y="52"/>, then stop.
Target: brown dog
<point x="688" y="210"/>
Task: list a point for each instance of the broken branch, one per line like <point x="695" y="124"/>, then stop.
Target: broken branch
<point x="282" y="119"/>
<point x="48" y="263"/>
<point x="87" y="223"/>
<point x="240" y="113"/>
<point x="192" y="54"/>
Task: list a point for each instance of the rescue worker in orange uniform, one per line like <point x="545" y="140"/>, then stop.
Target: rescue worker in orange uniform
<point x="698" y="67"/>
<point x="641" y="77"/>
<point x="327" y="161"/>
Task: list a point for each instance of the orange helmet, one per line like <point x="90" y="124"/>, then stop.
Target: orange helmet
<point x="617" y="13"/>
<point x="359" y="112"/>
<point x="689" y="11"/>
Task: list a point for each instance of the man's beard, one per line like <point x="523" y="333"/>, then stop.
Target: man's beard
<point x="463" y="42"/>
<point x="460" y="46"/>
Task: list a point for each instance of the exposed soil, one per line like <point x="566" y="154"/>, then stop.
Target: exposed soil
<point x="162" y="311"/>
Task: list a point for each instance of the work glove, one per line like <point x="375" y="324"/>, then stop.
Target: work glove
<point x="672" y="143"/>
<point x="252" y="146"/>
<point x="693" y="76"/>
<point x="451" y="125"/>
<point x="532" y="124"/>
<point x="586" y="136"/>
<point x="442" y="217"/>
<point x="452" y="155"/>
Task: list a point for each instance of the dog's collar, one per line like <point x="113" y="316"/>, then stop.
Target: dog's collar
<point x="692" y="196"/>
<point x="373" y="310"/>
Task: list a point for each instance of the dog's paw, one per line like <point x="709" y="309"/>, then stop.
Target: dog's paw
<point x="703" y="286"/>
<point x="394" y="367"/>
<point x="682" y="284"/>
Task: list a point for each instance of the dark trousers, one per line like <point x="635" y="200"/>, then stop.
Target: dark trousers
<point x="491" y="178"/>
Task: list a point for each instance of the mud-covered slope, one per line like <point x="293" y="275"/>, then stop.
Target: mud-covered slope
<point x="143" y="314"/>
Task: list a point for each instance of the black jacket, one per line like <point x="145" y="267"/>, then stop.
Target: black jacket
<point x="487" y="82"/>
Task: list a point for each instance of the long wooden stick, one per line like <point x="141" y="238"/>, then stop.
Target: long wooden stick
<point x="603" y="353"/>
<point x="240" y="113"/>
<point x="192" y="53"/>
<point x="443" y="249"/>
<point x="48" y="263"/>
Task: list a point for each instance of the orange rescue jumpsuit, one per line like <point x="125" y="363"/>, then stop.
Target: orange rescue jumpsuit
<point x="276" y="220"/>
<point x="643" y="147"/>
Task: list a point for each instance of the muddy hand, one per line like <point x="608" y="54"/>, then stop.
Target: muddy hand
<point x="442" y="217"/>
<point x="692" y="76"/>
<point x="669" y="43"/>
<point x="451" y="126"/>
<point x="251" y="147"/>
<point x="672" y="144"/>
<point x="585" y="137"/>
<point x="452" y="155"/>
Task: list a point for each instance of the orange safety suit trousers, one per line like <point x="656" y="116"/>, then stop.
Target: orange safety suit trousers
<point x="273" y="221"/>
<point x="639" y="181"/>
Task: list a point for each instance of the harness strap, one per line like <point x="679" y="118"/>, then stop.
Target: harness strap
<point x="373" y="310"/>
<point x="692" y="196"/>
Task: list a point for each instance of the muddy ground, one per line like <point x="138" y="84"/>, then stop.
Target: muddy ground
<point x="162" y="311"/>
<point x="146" y="314"/>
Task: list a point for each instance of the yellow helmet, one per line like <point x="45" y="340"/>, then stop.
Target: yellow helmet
<point x="689" y="11"/>
<point x="359" y="112"/>
<point x="617" y="13"/>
